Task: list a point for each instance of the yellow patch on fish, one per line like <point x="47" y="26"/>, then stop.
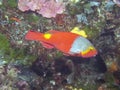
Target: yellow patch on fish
<point x="47" y="35"/>
<point x="76" y="30"/>
<point x="88" y="49"/>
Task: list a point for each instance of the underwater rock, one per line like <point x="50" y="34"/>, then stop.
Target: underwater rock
<point x="116" y="75"/>
<point x="117" y="2"/>
<point x="100" y="64"/>
<point x="65" y="66"/>
<point x="41" y="67"/>
<point x="22" y="85"/>
<point x="61" y="70"/>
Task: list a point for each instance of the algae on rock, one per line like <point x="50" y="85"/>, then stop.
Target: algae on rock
<point x="17" y="55"/>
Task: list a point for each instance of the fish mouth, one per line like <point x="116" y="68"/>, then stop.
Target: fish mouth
<point x="89" y="53"/>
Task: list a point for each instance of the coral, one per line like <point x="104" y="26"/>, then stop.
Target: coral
<point x="117" y="2"/>
<point x="45" y="8"/>
<point x="51" y="8"/>
<point x="22" y="5"/>
<point x="109" y="6"/>
<point x="82" y="18"/>
<point x="33" y="5"/>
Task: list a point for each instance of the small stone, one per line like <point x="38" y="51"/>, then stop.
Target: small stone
<point x="52" y="82"/>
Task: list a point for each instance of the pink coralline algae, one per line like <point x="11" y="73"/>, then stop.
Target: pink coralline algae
<point x="47" y="8"/>
<point x="22" y="5"/>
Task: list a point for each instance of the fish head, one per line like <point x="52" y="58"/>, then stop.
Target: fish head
<point x="82" y="47"/>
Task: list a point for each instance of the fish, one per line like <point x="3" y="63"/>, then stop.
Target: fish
<point x="69" y="43"/>
<point x="15" y="19"/>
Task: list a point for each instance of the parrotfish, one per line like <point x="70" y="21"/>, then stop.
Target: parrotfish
<point x="69" y="43"/>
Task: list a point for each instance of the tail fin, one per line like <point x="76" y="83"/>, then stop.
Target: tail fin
<point x="32" y="35"/>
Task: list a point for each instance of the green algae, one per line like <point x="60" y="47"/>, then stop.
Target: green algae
<point x="4" y="44"/>
<point x="16" y="55"/>
<point x="33" y="18"/>
<point x="110" y="81"/>
<point x="12" y="3"/>
<point x="91" y="32"/>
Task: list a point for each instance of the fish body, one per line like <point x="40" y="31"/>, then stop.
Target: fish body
<point x="69" y="43"/>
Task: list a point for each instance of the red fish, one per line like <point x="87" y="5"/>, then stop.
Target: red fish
<point x="69" y="43"/>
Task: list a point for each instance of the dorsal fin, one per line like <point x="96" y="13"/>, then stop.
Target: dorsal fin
<point x="76" y="30"/>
